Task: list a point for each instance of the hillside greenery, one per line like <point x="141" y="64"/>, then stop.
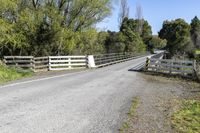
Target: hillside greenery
<point x="183" y="39"/>
<point x="64" y="27"/>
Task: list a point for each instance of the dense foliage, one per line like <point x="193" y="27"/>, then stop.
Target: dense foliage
<point x="195" y="32"/>
<point x="62" y="27"/>
<point x="177" y="34"/>
<point x="50" y="27"/>
<point x="182" y="38"/>
<point x="9" y="74"/>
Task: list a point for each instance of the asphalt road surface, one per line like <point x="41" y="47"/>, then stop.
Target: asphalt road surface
<point x="91" y="101"/>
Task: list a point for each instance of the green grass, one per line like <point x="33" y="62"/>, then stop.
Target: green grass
<point x="131" y="114"/>
<point x="9" y="74"/>
<point x="187" y="119"/>
<point x="197" y="52"/>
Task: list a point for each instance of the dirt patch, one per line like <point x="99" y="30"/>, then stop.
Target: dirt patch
<point x="159" y="99"/>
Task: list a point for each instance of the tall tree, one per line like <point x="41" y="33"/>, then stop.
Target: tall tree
<point x="195" y="31"/>
<point x="133" y="25"/>
<point x="134" y="42"/>
<point x="177" y="34"/>
<point x="139" y="17"/>
<point x="124" y="11"/>
<point x="156" y="43"/>
<point x="44" y="27"/>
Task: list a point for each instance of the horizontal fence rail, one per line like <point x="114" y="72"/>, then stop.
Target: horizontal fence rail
<point x="171" y="66"/>
<point x="41" y="64"/>
<point x="108" y="59"/>
<point x="67" y="62"/>
<point x="20" y="61"/>
<point x="38" y="64"/>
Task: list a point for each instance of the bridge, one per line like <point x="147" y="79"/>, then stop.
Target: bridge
<point x="91" y="100"/>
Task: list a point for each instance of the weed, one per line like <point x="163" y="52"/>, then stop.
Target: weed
<point x="9" y="74"/>
<point x="187" y="119"/>
<point x="131" y="115"/>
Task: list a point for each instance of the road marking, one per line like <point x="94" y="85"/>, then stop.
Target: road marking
<point x="42" y="79"/>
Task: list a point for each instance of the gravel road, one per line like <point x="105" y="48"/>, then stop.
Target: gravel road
<point x="91" y="101"/>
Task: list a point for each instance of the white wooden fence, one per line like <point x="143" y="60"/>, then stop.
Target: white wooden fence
<point x="171" y="66"/>
<point x="46" y="63"/>
<point x="67" y="62"/>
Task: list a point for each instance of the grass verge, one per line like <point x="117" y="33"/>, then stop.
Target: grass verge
<point x="9" y="74"/>
<point x="131" y="114"/>
<point x="187" y="119"/>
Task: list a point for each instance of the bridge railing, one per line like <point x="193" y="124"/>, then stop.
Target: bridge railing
<point x="68" y="62"/>
<point x="183" y="67"/>
<point x="20" y="61"/>
<point x="41" y="64"/>
<point x="108" y="59"/>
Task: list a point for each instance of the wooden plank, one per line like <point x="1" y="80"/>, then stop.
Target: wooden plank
<point x="60" y="69"/>
<point x="41" y="58"/>
<point x="41" y="62"/>
<point x="19" y="61"/>
<point x="67" y="65"/>
<point x="176" y="66"/>
<point x="61" y="57"/>
<point x="18" y="57"/>
<point x="40" y="66"/>
<point x="25" y="66"/>
<point x="175" y="61"/>
<point x="172" y="70"/>
<point x="63" y="61"/>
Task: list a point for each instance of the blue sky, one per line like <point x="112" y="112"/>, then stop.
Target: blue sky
<point x="155" y="12"/>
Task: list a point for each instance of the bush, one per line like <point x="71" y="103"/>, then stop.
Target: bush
<point x="9" y="74"/>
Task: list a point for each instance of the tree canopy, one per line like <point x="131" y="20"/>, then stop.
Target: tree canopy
<point x="49" y="27"/>
<point x="177" y="34"/>
<point x="62" y="27"/>
<point x="195" y="31"/>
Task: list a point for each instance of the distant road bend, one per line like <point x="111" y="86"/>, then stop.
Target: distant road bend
<point x="91" y="101"/>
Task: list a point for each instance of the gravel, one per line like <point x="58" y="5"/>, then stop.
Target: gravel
<point x="91" y="101"/>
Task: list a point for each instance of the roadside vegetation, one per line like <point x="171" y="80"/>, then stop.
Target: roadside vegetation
<point x="66" y="27"/>
<point x="187" y="119"/>
<point x="131" y="115"/>
<point x="9" y="74"/>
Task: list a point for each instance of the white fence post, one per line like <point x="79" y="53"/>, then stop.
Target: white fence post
<point x="69" y="62"/>
<point x="49" y="63"/>
<point x="90" y="61"/>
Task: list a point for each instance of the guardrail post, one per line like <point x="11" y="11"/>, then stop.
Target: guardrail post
<point x="147" y="64"/>
<point x="91" y="61"/>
